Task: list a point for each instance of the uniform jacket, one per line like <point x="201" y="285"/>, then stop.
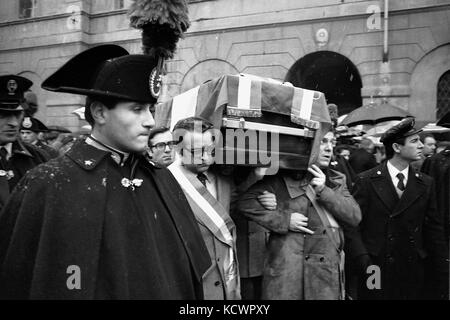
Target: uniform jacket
<point x="399" y="234"/>
<point x="24" y="157"/>
<point x="58" y="216"/>
<point x="214" y="278"/>
<point x="298" y="265"/>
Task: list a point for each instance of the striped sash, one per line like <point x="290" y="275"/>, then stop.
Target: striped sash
<point x="214" y="217"/>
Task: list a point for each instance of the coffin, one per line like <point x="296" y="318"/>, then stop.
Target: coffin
<point x="263" y="122"/>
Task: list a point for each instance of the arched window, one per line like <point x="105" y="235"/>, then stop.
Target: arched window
<point x="443" y="95"/>
<point x="27" y="8"/>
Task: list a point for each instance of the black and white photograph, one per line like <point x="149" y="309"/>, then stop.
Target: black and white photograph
<point x="223" y="154"/>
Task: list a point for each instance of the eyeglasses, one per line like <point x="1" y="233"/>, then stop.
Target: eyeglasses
<point x="209" y="150"/>
<point x="161" y="146"/>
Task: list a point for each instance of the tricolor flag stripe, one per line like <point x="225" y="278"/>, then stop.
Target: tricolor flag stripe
<point x="244" y="92"/>
<point x="306" y="106"/>
<point x="184" y="106"/>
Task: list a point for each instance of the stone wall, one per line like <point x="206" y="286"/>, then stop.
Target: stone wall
<point x="263" y="37"/>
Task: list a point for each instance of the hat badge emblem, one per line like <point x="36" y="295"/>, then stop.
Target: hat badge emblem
<point x="27" y="123"/>
<point x="11" y="86"/>
<point x="154" y="82"/>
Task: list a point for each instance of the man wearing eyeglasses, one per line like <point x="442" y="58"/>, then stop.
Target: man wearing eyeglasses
<point x="209" y="195"/>
<point x="161" y="147"/>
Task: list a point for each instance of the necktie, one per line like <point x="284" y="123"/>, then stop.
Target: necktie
<point x="202" y="178"/>
<point x="3" y="159"/>
<point x="400" y="184"/>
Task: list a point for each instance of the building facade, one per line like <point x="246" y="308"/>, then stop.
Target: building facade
<point x="354" y="51"/>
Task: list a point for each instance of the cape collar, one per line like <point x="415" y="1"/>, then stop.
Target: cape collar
<point x="118" y="156"/>
<point x="89" y="156"/>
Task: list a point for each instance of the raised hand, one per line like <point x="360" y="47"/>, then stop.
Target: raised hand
<point x="318" y="182"/>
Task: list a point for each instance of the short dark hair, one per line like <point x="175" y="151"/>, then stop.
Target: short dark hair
<point x="156" y="131"/>
<point x="424" y="135"/>
<point x="190" y="124"/>
<point x="388" y="146"/>
<point x="109" y="103"/>
<point x="338" y="149"/>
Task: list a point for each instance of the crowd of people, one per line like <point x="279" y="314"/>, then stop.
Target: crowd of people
<point x="134" y="211"/>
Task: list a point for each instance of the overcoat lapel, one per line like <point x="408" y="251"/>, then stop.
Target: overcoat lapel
<point x="414" y="189"/>
<point x="384" y="188"/>
<point x="198" y="262"/>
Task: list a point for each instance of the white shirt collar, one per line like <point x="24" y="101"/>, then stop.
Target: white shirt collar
<point x="393" y="171"/>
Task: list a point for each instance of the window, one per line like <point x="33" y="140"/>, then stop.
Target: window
<point x="443" y="95"/>
<point x="27" y="8"/>
<point x="118" y="4"/>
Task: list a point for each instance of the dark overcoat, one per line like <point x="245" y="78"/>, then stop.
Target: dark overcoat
<point x="361" y="160"/>
<point x="24" y="157"/>
<point x="399" y="234"/>
<point x="438" y="167"/>
<point x="61" y="218"/>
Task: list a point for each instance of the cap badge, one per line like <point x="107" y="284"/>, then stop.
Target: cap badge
<point x="27" y="123"/>
<point x="11" y="86"/>
<point x="154" y="82"/>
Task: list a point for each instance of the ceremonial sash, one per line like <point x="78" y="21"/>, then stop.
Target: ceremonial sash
<point x="214" y="217"/>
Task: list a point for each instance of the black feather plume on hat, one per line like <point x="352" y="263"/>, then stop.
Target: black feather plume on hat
<point x="162" y="22"/>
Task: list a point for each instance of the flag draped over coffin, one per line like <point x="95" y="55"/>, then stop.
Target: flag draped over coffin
<point x="249" y="96"/>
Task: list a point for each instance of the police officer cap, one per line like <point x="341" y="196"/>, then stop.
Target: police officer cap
<point x="105" y="71"/>
<point x="444" y="121"/>
<point x="12" y="90"/>
<point x="403" y="129"/>
<point x="33" y="124"/>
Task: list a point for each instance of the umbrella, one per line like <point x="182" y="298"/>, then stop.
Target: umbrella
<point x="433" y="128"/>
<point x="377" y="130"/>
<point x="59" y="129"/>
<point x="374" y="113"/>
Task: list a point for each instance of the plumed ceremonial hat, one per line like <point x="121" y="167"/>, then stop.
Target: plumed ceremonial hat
<point x="403" y="129"/>
<point x="12" y="90"/>
<point x="33" y="124"/>
<point x="105" y="71"/>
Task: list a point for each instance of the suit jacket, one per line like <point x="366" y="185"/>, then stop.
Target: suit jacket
<point x="214" y="278"/>
<point x="399" y="234"/>
<point x="252" y="238"/>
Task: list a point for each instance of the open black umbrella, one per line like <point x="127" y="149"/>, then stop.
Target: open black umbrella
<point x="59" y="129"/>
<point x="374" y="113"/>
